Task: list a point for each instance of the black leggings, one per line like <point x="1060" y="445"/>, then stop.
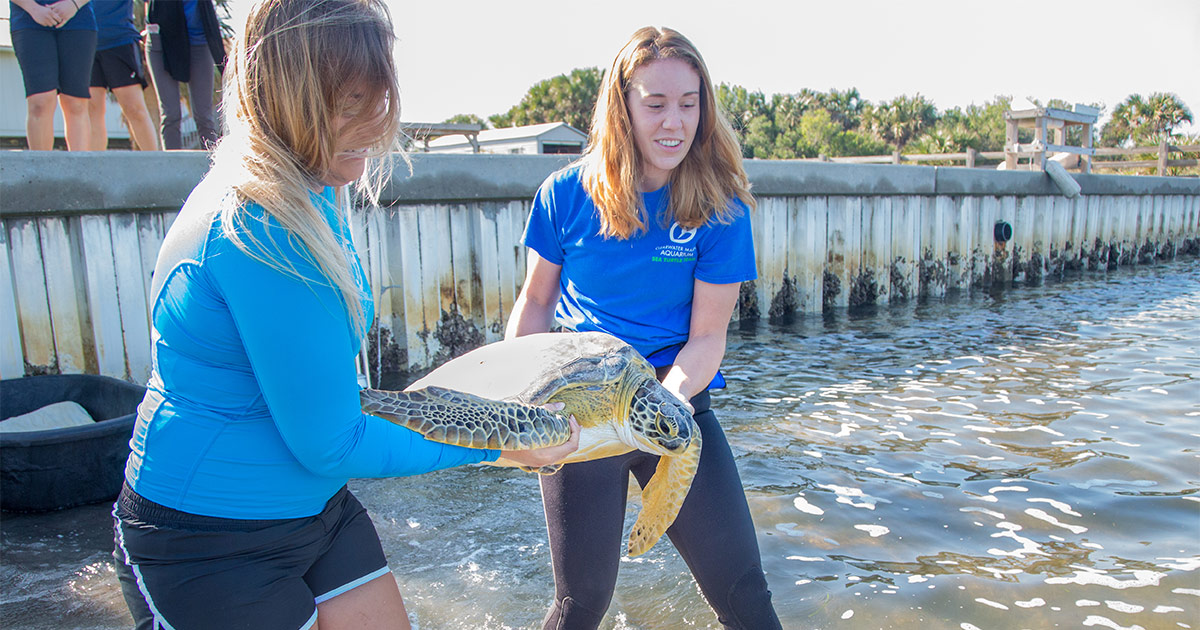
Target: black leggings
<point x="585" y="513"/>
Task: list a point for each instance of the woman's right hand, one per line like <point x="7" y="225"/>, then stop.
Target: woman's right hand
<point x="538" y="457"/>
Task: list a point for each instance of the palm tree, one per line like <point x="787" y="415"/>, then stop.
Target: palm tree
<point x="568" y="98"/>
<point x="901" y="119"/>
<point x="1126" y="119"/>
<point x="845" y="107"/>
<point x="1165" y="112"/>
<point x="1140" y="120"/>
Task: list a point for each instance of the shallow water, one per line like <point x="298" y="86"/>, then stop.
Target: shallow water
<point x="1027" y="459"/>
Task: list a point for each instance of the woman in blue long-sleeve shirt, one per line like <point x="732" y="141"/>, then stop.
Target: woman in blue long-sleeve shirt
<point x="235" y="511"/>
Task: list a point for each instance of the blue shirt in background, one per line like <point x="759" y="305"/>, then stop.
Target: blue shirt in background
<point x="114" y="21"/>
<point x="195" y="27"/>
<point x="19" y="19"/>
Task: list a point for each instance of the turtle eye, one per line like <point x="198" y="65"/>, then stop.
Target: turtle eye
<point x="664" y="427"/>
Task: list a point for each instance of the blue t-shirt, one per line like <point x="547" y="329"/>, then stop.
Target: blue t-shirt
<point x="252" y="409"/>
<point x="114" y="21"/>
<point x="638" y="289"/>
<point x="195" y="28"/>
<point x="19" y="19"/>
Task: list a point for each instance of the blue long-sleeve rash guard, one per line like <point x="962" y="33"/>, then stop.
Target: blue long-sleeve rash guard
<point x="252" y="409"/>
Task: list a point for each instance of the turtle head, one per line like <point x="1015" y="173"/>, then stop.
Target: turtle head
<point x="661" y="420"/>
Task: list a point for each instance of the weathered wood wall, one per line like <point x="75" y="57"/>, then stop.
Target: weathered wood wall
<point x="81" y="232"/>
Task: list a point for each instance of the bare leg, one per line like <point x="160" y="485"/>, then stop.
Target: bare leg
<point x="39" y="123"/>
<point x="133" y="105"/>
<point x="75" y="119"/>
<point x="376" y="604"/>
<point x="96" y="110"/>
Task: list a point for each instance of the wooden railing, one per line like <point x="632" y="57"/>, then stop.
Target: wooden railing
<point x="970" y="158"/>
<point x="1160" y="164"/>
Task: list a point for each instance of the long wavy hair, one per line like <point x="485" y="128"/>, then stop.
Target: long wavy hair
<point x="301" y="67"/>
<point x="705" y="182"/>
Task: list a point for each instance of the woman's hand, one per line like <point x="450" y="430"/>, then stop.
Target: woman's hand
<point x="682" y="397"/>
<point x="45" y="15"/>
<point x="65" y="10"/>
<point x="538" y="457"/>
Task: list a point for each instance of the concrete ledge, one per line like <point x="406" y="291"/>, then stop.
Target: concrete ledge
<point x="64" y="182"/>
<point x="798" y="178"/>
<point x="449" y="178"/>
<point x="1137" y="185"/>
<point x="60" y="182"/>
<point x="962" y="181"/>
<point x="973" y="181"/>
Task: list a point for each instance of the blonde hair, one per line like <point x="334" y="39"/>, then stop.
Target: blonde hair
<point x="297" y="68"/>
<point x="704" y="184"/>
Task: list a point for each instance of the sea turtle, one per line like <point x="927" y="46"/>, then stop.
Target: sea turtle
<point x="609" y="388"/>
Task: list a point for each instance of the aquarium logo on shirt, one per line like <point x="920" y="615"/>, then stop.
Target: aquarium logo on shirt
<point x="679" y="235"/>
<point x="680" y="251"/>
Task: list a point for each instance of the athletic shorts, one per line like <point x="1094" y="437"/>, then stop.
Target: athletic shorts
<point x="181" y="571"/>
<point x="118" y="67"/>
<point x="55" y="60"/>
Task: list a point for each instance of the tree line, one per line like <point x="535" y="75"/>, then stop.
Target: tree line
<point x="810" y="123"/>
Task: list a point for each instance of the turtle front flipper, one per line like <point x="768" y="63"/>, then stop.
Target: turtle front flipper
<point x="454" y="417"/>
<point x="663" y="496"/>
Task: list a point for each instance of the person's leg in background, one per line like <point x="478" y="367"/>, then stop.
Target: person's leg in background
<point x="75" y="119"/>
<point x="133" y="106"/>
<point x="39" y="120"/>
<point x="76" y="54"/>
<point x="97" y="108"/>
<point x="168" y="101"/>
<point x="200" y="89"/>
<point x="37" y="55"/>
<point x="120" y="69"/>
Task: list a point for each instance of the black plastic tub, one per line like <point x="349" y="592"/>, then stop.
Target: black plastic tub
<point x="61" y="468"/>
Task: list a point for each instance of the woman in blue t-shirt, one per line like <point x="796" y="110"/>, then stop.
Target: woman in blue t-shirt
<point x="648" y="238"/>
<point x="235" y="510"/>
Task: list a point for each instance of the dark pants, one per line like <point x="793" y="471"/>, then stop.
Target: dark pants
<point x="200" y="95"/>
<point x="585" y="510"/>
<point x="184" y="571"/>
<point x="55" y="60"/>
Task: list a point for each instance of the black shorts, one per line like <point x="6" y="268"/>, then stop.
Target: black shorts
<point x="55" y="60"/>
<point x="118" y="67"/>
<point x="180" y="570"/>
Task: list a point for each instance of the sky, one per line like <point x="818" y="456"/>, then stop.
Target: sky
<point x="480" y="57"/>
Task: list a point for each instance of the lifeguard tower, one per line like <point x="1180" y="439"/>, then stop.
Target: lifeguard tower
<point x="1043" y="120"/>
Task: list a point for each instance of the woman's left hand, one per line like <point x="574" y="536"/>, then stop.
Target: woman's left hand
<point x="538" y="457"/>
<point x="64" y="10"/>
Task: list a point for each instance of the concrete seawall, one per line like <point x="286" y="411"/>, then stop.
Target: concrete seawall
<point x="81" y="232"/>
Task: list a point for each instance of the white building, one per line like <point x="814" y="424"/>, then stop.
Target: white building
<point x="558" y="137"/>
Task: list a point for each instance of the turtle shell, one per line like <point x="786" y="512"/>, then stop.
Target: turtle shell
<point x="533" y="368"/>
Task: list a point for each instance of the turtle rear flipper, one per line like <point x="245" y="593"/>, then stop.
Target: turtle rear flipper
<point x="663" y="496"/>
<point x="454" y="417"/>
